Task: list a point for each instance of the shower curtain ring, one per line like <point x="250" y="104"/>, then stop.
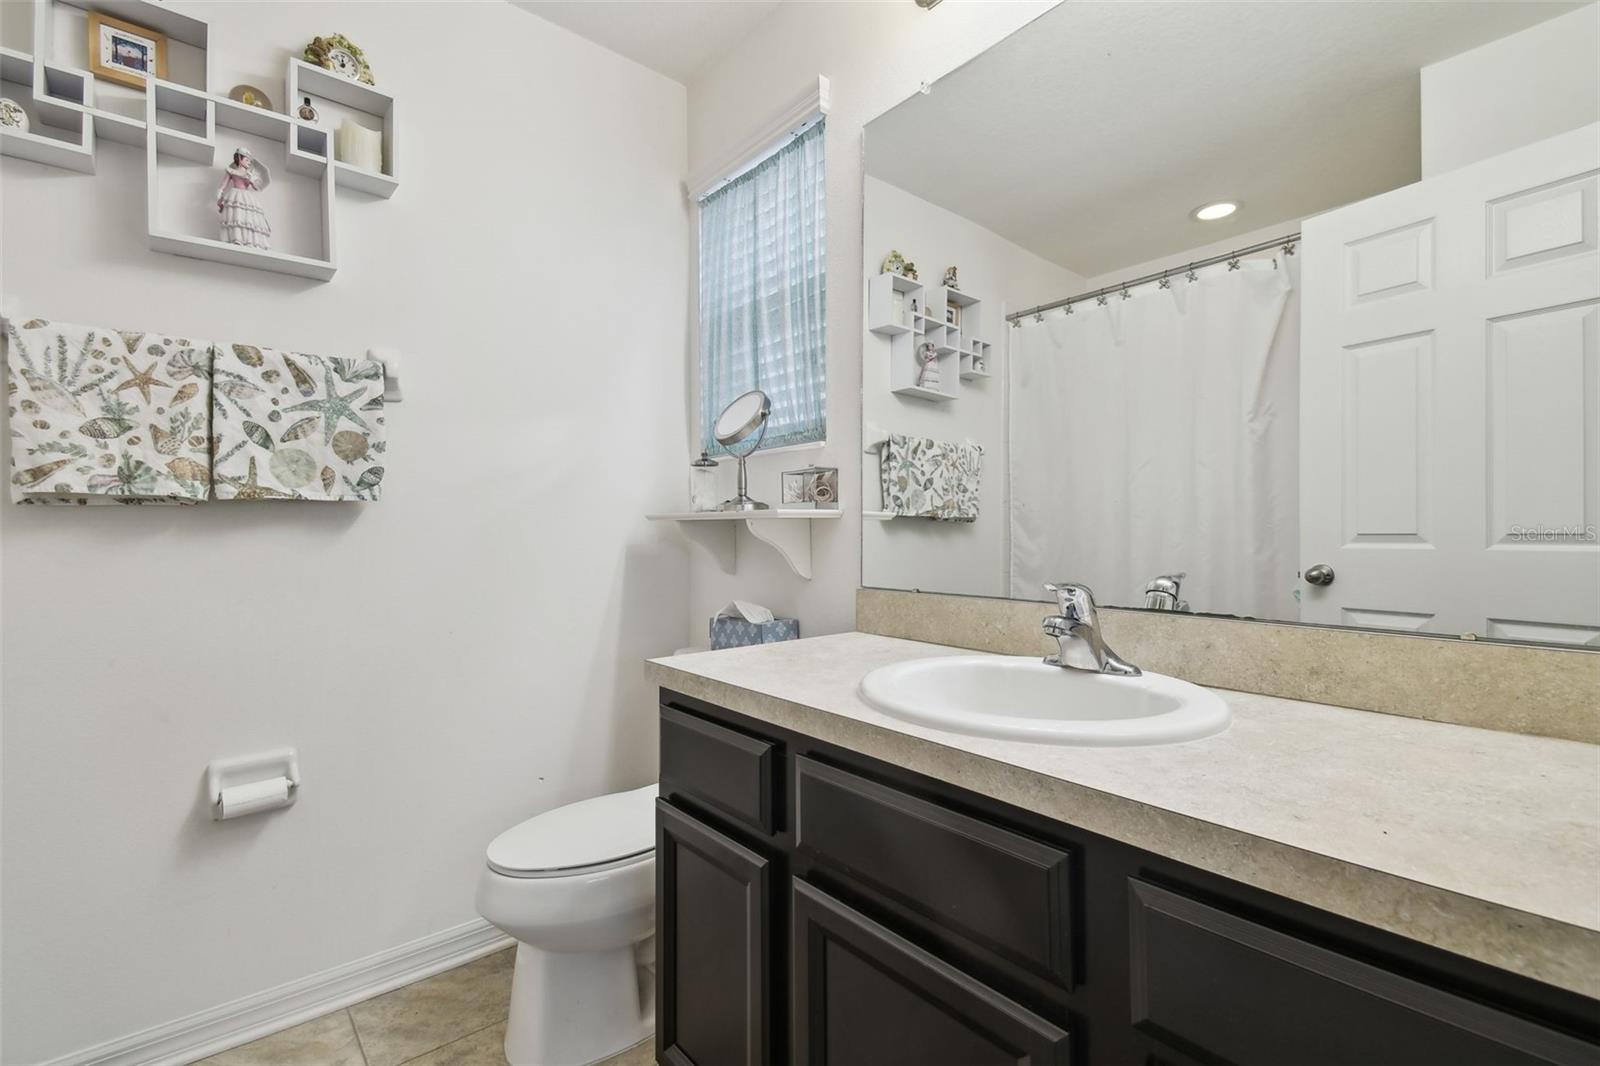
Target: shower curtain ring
<point x="1233" y="264"/>
<point x="1165" y="282"/>
<point x="1070" y="307"/>
<point x="1288" y="247"/>
<point x="1038" y="316"/>
<point x="1191" y="275"/>
<point x="1100" y="300"/>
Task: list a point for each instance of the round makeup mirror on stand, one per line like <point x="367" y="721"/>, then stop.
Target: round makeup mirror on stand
<point x="743" y="422"/>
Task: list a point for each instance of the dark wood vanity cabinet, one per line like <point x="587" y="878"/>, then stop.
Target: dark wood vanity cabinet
<point x="817" y="906"/>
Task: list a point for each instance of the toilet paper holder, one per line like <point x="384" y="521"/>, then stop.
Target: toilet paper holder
<point x="242" y="770"/>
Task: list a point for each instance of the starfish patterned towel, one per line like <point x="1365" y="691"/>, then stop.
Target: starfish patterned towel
<point x="106" y="416"/>
<point x="924" y="478"/>
<point x="287" y="426"/>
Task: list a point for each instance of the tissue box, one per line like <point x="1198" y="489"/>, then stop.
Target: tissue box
<point x="737" y="632"/>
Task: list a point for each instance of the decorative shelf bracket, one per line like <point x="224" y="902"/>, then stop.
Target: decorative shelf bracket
<point x="791" y="539"/>
<point x="788" y="532"/>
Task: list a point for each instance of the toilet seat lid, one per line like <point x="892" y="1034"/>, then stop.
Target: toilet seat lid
<point x="592" y="832"/>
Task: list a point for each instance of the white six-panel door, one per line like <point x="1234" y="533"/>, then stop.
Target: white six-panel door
<point x="1450" y="401"/>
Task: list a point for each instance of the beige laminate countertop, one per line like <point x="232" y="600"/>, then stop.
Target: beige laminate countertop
<point x="1482" y="843"/>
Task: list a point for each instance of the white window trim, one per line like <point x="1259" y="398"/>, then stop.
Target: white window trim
<point x="808" y="446"/>
<point x="804" y="111"/>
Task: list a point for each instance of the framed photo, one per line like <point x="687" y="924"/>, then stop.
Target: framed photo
<point x="125" y="53"/>
<point x="952" y="315"/>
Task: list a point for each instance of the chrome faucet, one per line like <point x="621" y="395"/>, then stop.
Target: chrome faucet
<point x="1077" y="632"/>
<point x="1162" y="593"/>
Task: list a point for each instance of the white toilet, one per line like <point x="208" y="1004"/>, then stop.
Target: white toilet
<point x="576" y="887"/>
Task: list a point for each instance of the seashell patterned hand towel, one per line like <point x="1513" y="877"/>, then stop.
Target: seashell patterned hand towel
<point x="924" y="478"/>
<point x="106" y="416"/>
<point x="288" y="426"/>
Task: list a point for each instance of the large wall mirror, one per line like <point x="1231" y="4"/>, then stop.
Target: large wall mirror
<point x="1279" y="311"/>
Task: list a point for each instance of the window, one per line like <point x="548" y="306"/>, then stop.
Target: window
<point x="763" y="293"/>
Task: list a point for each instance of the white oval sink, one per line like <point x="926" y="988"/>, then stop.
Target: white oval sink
<point x="1022" y="698"/>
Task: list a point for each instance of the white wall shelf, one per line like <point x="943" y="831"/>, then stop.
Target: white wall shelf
<point x="787" y="531"/>
<point x="181" y="121"/>
<point x="303" y="79"/>
<point x="218" y="114"/>
<point x="908" y="314"/>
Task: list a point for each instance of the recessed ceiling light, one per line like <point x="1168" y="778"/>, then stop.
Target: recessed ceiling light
<point x="1213" y="212"/>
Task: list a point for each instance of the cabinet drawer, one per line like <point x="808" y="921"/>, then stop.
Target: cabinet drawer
<point x="1002" y="892"/>
<point x="866" y="997"/>
<point x="1223" y="988"/>
<point x="720" y="767"/>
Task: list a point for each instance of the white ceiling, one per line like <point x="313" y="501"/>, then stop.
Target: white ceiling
<point x="674" y="37"/>
<point x="1089" y="135"/>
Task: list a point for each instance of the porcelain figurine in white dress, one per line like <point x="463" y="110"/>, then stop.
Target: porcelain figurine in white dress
<point x="243" y="219"/>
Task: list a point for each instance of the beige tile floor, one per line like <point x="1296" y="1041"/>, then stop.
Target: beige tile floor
<point x="456" y="1018"/>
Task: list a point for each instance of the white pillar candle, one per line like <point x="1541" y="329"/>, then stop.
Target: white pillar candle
<point x="359" y="146"/>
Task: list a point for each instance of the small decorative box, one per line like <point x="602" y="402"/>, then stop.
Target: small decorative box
<point x="740" y="624"/>
<point x="815" y="486"/>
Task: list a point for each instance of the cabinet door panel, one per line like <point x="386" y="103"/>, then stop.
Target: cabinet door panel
<point x="864" y="996"/>
<point x="713" y="946"/>
<point x="1228" y="989"/>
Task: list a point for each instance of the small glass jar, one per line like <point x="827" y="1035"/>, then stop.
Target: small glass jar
<point x="703" y="494"/>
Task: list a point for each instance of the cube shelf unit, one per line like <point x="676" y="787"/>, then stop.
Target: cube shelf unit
<point x="898" y="309"/>
<point x="303" y="80"/>
<point x="182" y="121"/>
<point x="306" y="152"/>
<point x="69" y="144"/>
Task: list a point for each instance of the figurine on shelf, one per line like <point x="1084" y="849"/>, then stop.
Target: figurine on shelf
<point x="950" y="278"/>
<point x="927" y="366"/>
<point x="243" y="219"/>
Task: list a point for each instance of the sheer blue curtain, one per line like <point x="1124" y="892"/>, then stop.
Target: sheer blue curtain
<point x="763" y="293"/>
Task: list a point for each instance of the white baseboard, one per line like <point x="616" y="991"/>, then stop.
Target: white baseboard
<point x="231" y="1024"/>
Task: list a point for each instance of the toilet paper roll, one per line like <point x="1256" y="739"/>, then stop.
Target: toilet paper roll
<point x="240" y="800"/>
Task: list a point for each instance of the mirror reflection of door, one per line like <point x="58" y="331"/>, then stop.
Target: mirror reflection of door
<point x="1449" y="379"/>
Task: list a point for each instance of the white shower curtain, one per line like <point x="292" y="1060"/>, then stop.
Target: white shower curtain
<point x="1157" y="434"/>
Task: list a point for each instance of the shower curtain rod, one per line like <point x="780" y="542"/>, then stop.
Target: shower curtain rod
<point x="1286" y="242"/>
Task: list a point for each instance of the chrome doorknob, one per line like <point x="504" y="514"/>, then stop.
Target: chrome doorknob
<point x="1321" y="574"/>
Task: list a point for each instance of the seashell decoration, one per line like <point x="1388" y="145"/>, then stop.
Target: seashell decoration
<point x="188" y="470"/>
<point x="293" y="467"/>
<point x="303" y="428"/>
<point x="257" y="433"/>
<point x="350" y="445"/>
<point x="106" y="428"/>
<point x="302" y="380"/>
<point x="36" y="474"/>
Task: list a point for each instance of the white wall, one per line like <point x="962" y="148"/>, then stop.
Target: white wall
<point x="448" y="661"/>
<point x="1523" y="88"/>
<point x="948" y="556"/>
<point x="875" y="55"/>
